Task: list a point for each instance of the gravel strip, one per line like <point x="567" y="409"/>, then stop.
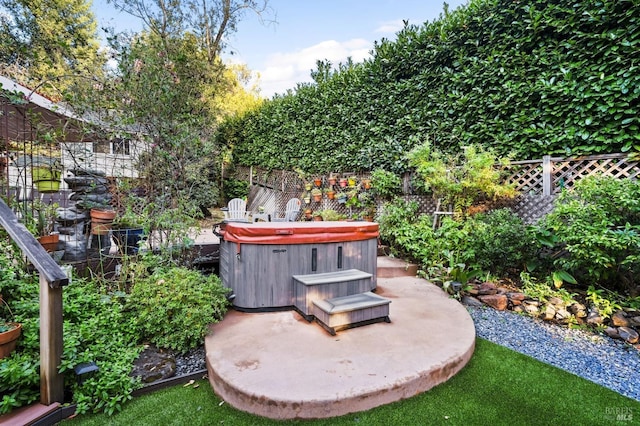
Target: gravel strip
<point x="600" y="359"/>
<point x="191" y="362"/>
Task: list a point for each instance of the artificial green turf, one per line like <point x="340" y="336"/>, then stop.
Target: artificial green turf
<point x="498" y="386"/>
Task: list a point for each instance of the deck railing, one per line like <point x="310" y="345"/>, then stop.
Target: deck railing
<point x="52" y="279"/>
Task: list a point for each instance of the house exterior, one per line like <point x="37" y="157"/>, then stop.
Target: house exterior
<point x="26" y="118"/>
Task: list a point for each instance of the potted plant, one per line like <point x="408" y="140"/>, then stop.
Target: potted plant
<point x="351" y="181"/>
<point x="331" y="193"/>
<point x="9" y="333"/>
<point x="317" y="182"/>
<point x="316" y="193"/>
<point x="317" y="215"/>
<point x="332" y="215"/>
<point x="44" y="219"/>
<point x="46" y="173"/>
<point x="343" y="182"/>
<point x="128" y="230"/>
<point x="308" y="214"/>
<point x="102" y="220"/>
<point x="332" y="179"/>
<point x="341" y="197"/>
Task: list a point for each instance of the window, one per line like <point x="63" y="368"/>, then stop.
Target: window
<point x="121" y="147"/>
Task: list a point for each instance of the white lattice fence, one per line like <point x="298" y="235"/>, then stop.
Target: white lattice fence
<point x="566" y="172"/>
<point x="550" y="175"/>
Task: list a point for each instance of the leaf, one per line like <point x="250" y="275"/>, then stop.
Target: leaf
<point x="559" y="277"/>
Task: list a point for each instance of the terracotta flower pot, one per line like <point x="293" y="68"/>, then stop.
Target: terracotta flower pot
<point x="317" y="198"/>
<point x="317" y="182"/>
<point x="8" y="339"/>
<point x="49" y="242"/>
<point x="101" y="220"/>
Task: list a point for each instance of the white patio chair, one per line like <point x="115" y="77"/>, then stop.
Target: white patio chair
<point x="236" y="211"/>
<point x="291" y="212"/>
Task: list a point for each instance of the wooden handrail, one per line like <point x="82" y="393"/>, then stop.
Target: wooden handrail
<point x="52" y="278"/>
<point x="37" y="255"/>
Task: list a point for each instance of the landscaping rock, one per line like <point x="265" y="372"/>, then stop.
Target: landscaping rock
<point x="563" y="315"/>
<point x="612" y="332"/>
<point x="516" y="297"/>
<point x="154" y="364"/>
<point x="619" y="319"/>
<point x="487" y="289"/>
<point x="549" y="312"/>
<point x="471" y="301"/>
<point x="531" y="308"/>
<point x="628" y="334"/>
<point x="556" y="301"/>
<point x="578" y="309"/>
<point x="594" y="318"/>
<point x="634" y="321"/>
<point x="496" y="301"/>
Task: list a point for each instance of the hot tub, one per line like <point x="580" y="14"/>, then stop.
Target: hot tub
<point x="258" y="260"/>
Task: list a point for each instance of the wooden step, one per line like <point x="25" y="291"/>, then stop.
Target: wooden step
<point x="328" y="285"/>
<point x="28" y="415"/>
<point x="350" y="311"/>
<point x="332" y="277"/>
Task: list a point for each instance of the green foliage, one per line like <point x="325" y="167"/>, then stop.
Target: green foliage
<point x="234" y="188"/>
<point x="46" y="42"/>
<point x="543" y="291"/>
<point x="524" y="78"/>
<point x="173" y="307"/>
<point x="411" y="235"/>
<point x="605" y="301"/>
<point x="499" y="242"/>
<point x="460" y="180"/>
<point x="332" y="215"/>
<point x="596" y="226"/>
<point x="94" y="330"/>
<point x="386" y="184"/>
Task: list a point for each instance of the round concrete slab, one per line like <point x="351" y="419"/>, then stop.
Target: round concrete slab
<point x="278" y="365"/>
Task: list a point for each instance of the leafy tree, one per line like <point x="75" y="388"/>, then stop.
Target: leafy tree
<point x="460" y="180"/>
<point x="46" y="42"/>
<point x="210" y="21"/>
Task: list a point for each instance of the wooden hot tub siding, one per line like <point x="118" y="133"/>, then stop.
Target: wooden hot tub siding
<point x="261" y="276"/>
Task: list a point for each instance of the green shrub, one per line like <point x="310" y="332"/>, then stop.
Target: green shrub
<point x="386" y="184"/>
<point x="597" y="225"/>
<point x="174" y="306"/>
<point x="499" y="242"/>
<point x="234" y="188"/>
<point x="94" y="330"/>
<point x="460" y="180"/>
<point x="411" y="235"/>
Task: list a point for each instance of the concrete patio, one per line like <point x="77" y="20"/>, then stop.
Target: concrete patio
<point x="279" y="366"/>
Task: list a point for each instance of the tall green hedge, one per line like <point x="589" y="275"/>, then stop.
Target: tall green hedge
<point x="526" y="78"/>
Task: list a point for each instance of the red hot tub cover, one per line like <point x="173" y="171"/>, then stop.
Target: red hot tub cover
<point x="298" y="232"/>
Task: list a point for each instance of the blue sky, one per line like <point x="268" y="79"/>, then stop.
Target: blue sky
<point x="283" y="53"/>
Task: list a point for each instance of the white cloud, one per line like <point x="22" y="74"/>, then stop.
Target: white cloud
<point x="390" y="27"/>
<point x="283" y="70"/>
